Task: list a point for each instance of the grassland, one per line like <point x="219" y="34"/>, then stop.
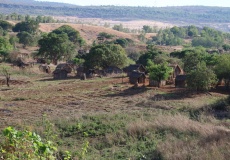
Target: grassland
<point x="118" y="121"/>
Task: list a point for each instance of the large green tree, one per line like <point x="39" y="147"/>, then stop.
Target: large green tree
<point x="158" y="72"/>
<point x="73" y="35"/>
<point x="5" y="25"/>
<point x="5" y="47"/>
<point x="56" y="46"/>
<point x="25" y="38"/>
<point x="222" y="69"/>
<point x="30" y="26"/>
<point x="105" y="55"/>
<point x="201" y="78"/>
<point x="150" y="54"/>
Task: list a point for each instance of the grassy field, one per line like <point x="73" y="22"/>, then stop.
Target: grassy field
<point x="118" y="121"/>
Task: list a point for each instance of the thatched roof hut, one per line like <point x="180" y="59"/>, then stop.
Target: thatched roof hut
<point x="137" y="77"/>
<point x="60" y="74"/>
<point x="134" y="67"/>
<point x="61" y="71"/>
<point x="64" y="66"/>
<point x="111" y="70"/>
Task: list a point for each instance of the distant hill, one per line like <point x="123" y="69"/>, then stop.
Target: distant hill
<point x="177" y="15"/>
<point x="88" y="32"/>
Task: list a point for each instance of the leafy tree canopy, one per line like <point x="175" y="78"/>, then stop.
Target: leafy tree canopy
<point x="73" y="35"/>
<point x="5" y="47"/>
<point x="222" y="68"/>
<point x="150" y="54"/>
<point x="158" y="72"/>
<point x="5" y="25"/>
<point x="201" y="78"/>
<point x="25" y="38"/>
<point x="106" y="35"/>
<point x="105" y="55"/>
<point x="56" y="46"/>
<point x="30" y="26"/>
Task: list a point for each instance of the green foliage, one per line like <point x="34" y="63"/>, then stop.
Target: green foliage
<point x="222" y="68"/>
<point x="179" y="31"/>
<point x="106" y="35"/>
<point x="5" y="47"/>
<point x="25" y="38"/>
<point x="149" y="29"/>
<point x="158" y="72"/>
<point x="73" y="35"/>
<point x="226" y="47"/>
<point x="122" y="42"/>
<point x="191" y="57"/>
<point x="25" y="145"/>
<point x="105" y="55"/>
<point x="121" y="28"/>
<point x="44" y="19"/>
<point x="56" y="46"/>
<point x="78" y="61"/>
<point x="209" y="38"/>
<point x="30" y="26"/>
<point x="5" y="25"/>
<point x="169" y="37"/>
<point x="192" y="31"/>
<point x="151" y="53"/>
<point x="201" y="78"/>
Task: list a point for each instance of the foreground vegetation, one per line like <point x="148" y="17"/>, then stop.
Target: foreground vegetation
<point x="106" y="119"/>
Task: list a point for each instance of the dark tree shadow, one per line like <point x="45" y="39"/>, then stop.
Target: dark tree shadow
<point x="129" y="91"/>
<point x="220" y="110"/>
<point x="51" y="79"/>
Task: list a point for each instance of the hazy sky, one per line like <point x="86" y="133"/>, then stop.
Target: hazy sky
<point x="223" y="3"/>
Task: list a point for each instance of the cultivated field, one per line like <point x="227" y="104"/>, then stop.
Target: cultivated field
<point x="118" y="120"/>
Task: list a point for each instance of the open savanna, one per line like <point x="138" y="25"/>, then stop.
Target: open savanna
<point x="118" y="120"/>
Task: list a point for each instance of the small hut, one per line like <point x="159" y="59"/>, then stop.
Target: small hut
<point x="113" y="70"/>
<point x="134" y="67"/>
<point x="177" y="70"/>
<point x="137" y="77"/>
<point x="180" y="81"/>
<point x="64" y="66"/>
<point x="60" y="74"/>
<point x="61" y="71"/>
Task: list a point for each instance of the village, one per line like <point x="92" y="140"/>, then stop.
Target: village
<point x="78" y="91"/>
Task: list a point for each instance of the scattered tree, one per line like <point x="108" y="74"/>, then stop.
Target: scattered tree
<point x="6" y="74"/>
<point x="73" y="35"/>
<point x="56" y="46"/>
<point x="30" y="26"/>
<point x="200" y="78"/>
<point x="105" y="55"/>
<point x="158" y="72"/>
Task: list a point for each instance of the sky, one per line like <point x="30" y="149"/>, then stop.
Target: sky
<point x="150" y="3"/>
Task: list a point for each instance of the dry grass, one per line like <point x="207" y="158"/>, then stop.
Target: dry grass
<point x="184" y="124"/>
<point x="179" y="123"/>
<point x="210" y="141"/>
<point x="88" y="32"/>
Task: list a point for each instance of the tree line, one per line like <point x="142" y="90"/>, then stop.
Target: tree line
<point x="202" y="68"/>
<point x="189" y="14"/>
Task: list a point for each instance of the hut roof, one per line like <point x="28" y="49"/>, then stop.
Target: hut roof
<point x="136" y="74"/>
<point x="132" y="67"/>
<point x="176" y="66"/>
<point x="59" y="71"/>
<point x="64" y="66"/>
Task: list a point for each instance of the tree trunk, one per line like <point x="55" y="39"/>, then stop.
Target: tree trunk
<point x="8" y="80"/>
